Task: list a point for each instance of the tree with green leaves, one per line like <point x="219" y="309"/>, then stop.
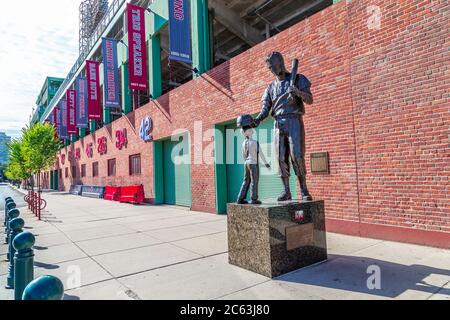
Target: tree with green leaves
<point x="17" y="169"/>
<point x="40" y="147"/>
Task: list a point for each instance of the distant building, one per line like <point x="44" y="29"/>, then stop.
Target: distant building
<point x="4" y="152"/>
<point x="48" y="91"/>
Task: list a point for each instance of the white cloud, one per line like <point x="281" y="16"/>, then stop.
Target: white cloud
<point x="37" y="39"/>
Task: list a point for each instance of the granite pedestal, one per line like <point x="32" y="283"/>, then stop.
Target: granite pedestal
<point x="273" y="239"/>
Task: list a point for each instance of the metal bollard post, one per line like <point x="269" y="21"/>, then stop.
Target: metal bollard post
<point x="35" y="203"/>
<point x="44" y="288"/>
<point x="29" y="199"/>
<point x="23" y="262"/>
<point x="13" y="213"/>
<point x="39" y="206"/>
<point x="15" y="226"/>
<point x="7" y="200"/>
<point x="32" y="202"/>
<point x="9" y="205"/>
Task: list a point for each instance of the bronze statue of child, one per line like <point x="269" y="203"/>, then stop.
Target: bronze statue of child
<point x="251" y="152"/>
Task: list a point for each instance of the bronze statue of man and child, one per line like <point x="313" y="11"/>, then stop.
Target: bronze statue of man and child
<point x="284" y="100"/>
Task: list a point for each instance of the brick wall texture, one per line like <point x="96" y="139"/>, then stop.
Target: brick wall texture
<point x="380" y="79"/>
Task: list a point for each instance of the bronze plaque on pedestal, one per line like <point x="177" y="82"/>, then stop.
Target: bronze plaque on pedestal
<point x="319" y="163"/>
<point x="299" y="236"/>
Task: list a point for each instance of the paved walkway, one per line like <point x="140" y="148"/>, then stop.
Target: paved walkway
<point x="108" y="250"/>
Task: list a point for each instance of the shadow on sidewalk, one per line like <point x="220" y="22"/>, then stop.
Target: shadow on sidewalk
<point x="39" y="248"/>
<point x="356" y="274"/>
<point x="45" y="265"/>
<point x="70" y="297"/>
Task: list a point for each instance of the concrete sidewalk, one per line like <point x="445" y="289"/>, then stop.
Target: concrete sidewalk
<point x="108" y="250"/>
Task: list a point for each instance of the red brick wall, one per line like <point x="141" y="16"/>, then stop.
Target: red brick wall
<point x="122" y="177"/>
<point x="381" y="110"/>
<point x="400" y="82"/>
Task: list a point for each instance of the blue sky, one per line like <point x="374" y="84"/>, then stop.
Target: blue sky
<point x="37" y="39"/>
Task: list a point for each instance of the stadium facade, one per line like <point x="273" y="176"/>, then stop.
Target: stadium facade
<point x="379" y="73"/>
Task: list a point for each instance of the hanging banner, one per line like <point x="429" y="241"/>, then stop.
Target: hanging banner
<point x="111" y="73"/>
<point x="71" y="97"/>
<point x="82" y="102"/>
<point x="54" y="118"/>
<point x="93" y="85"/>
<point x="57" y="119"/>
<point x="180" y="31"/>
<point x="63" y="134"/>
<point x="137" y="48"/>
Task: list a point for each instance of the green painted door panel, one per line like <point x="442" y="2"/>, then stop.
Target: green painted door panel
<point x="270" y="185"/>
<point x="177" y="172"/>
<point x="51" y="180"/>
<point x="55" y="180"/>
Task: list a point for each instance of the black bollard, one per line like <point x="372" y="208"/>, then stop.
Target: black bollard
<point x="13" y="213"/>
<point x="23" y="262"/>
<point x="11" y="204"/>
<point x="15" y="226"/>
<point x="44" y="288"/>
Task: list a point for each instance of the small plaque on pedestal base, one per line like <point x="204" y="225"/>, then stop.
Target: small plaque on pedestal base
<point x="273" y="239"/>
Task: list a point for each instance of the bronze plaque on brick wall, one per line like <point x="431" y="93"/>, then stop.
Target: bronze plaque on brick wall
<point x="319" y="163"/>
<point x="299" y="236"/>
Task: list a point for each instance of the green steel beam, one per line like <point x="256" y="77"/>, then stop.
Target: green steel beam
<point x="154" y="66"/>
<point x="158" y="175"/>
<point x="220" y="169"/>
<point x="92" y="126"/>
<point x="126" y="96"/>
<point x="201" y="50"/>
<point x="82" y="132"/>
<point x="158" y="18"/>
<point x="106" y="115"/>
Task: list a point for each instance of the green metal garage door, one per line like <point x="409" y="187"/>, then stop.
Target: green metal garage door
<point x="270" y="185"/>
<point x="177" y="172"/>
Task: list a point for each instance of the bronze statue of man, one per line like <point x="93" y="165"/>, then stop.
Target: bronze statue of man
<point x="285" y="103"/>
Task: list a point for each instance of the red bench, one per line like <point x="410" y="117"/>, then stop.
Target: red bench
<point x="132" y="194"/>
<point x="112" y="193"/>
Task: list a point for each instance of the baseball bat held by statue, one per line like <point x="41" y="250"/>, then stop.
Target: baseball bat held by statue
<point x="294" y="72"/>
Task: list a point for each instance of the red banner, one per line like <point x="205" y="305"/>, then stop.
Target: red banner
<point x="71" y="97"/>
<point x="54" y="117"/>
<point x="93" y="79"/>
<point x="137" y="48"/>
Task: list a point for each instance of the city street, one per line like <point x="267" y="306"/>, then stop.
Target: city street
<point x="108" y="250"/>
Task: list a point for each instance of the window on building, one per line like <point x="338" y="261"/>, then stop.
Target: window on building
<point x="83" y="170"/>
<point x="95" y="169"/>
<point x="74" y="172"/>
<point x="111" y="167"/>
<point x="135" y="164"/>
<point x="66" y="172"/>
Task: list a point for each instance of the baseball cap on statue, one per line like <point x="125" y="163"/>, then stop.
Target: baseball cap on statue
<point x="245" y="121"/>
